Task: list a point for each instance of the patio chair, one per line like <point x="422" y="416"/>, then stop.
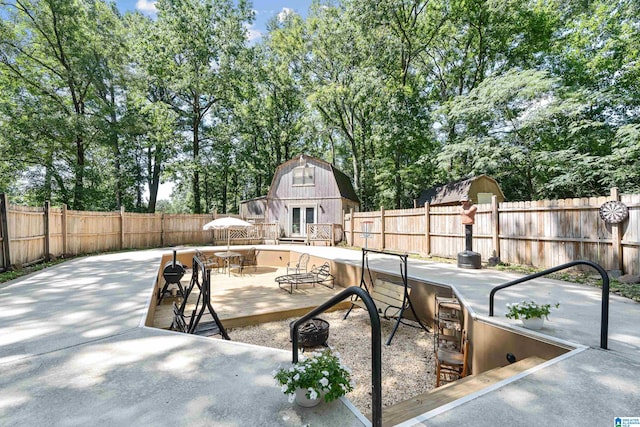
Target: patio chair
<point x="452" y="365"/>
<point x="246" y="260"/>
<point x="210" y="261"/>
<point x="320" y="275"/>
<point x="300" y="267"/>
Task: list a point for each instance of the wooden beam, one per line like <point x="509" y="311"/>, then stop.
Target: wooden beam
<point x="382" y="228"/>
<point x="47" y="231"/>
<point x="122" y="227"/>
<point x="616" y="237"/>
<point x="4" y="231"/>
<point x="495" y="219"/>
<point x="427" y="229"/>
<point x="65" y="240"/>
<point x="351" y="243"/>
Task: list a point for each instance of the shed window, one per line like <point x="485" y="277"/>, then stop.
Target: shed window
<point x="303" y="175"/>
<point x="484" y="198"/>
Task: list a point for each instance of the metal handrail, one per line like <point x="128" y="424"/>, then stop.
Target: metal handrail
<point x="376" y="346"/>
<point x="604" y="316"/>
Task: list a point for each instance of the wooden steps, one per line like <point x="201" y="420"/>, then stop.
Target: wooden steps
<point x="292" y="240"/>
<point x="440" y="396"/>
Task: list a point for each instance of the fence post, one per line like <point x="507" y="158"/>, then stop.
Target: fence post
<point x="495" y="218"/>
<point x="162" y="230"/>
<point x="616" y="237"/>
<point x="351" y="243"/>
<point x="122" y="227"/>
<point x="4" y="214"/>
<point x="65" y="241"/>
<point x="427" y="229"/>
<point x="382" y="228"/>
<point x="47" y="231"/>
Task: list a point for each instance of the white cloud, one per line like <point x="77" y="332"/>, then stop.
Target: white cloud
<point x="146" y="6"/>
<point x="252" y="33"/>
<point x="284" y="13"/>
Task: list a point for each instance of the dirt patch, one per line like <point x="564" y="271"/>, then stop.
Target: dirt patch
<point x="408" y="367"/>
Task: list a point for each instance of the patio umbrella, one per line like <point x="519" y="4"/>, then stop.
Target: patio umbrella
<point x="227" y="223"/>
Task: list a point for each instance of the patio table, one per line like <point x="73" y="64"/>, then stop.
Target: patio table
<point x="226" y="256"/>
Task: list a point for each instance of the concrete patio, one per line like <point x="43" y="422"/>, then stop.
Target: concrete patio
<point x="74" y="351"/>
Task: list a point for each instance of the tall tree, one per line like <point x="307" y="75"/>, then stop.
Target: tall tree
<point x="202" y="39"/>
<point x="51" y="47"/>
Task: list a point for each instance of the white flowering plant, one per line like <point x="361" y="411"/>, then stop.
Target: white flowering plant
<point x="529" y="310"/>
<point x="322" y="373"/>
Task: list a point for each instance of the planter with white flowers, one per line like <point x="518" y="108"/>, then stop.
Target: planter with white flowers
<point x="530" y="313"/>
<point x="321" y="375"/>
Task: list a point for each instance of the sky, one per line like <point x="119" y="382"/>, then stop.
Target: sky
<point x="264" y="11"/>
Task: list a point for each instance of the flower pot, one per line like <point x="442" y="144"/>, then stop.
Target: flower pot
<point x="534" y="323"/>
<point x="303" y="400"/>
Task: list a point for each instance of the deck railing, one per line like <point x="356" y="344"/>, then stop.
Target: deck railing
<point x="604" y="317"/>
<point x="329" y="233"/>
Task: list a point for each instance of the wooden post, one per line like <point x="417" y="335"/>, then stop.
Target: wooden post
<point x="351" y="227"/>
<point x="427" y="229"/>
<point x="65" y="240"/>
<point x="121" y="227"/>
<point x="333" y="233"/>
<point x="495" y="218"/>
<point x="4" y="217"/>
<point x="616" y="237"/>
<point x="382" y="228"/>
<point x="162" y="230"/>
<point x="47" y="231"/>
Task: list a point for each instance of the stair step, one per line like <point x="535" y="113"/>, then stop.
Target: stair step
<point x="448" y="393"/>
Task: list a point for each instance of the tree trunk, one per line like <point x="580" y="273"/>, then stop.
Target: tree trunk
<point x="195" y="185"/>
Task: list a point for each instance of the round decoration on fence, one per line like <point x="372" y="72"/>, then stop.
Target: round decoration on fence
<point x="613" y="212"/>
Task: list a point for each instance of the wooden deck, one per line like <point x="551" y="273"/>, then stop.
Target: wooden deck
<point x="251" y="298"/>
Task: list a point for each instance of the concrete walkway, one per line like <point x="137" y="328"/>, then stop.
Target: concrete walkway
<point x="586" y="387"/>
<point x="74" y="351"/>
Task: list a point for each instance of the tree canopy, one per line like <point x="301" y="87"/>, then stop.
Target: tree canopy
<point x="99" y="107"/>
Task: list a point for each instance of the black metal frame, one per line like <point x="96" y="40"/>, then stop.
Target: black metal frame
<point x="406" y="300"/>
<point x="604" y="310"/>
<point x="376" y="347"/>
<point x="202" y="303"/>
<point x="165" y="288"/>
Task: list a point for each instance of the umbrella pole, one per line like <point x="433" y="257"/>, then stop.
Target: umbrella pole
<point x="228" y="250"/>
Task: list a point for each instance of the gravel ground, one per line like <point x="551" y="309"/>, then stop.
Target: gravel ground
<point x="408" y="367"/>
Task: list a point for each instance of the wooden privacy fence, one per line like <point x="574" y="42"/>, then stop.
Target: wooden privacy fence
<point x="32" y="234"/>
<point x="543" y="233"/>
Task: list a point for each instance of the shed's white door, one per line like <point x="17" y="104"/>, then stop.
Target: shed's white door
<point x="300" y="217"/>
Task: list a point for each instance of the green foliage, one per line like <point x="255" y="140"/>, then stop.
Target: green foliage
<point x="529" y="310"/>
<point x="97" y="107"/>
<point x="319" y="373"/>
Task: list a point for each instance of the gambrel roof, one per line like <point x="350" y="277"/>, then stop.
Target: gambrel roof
<point x="450" y="193"/>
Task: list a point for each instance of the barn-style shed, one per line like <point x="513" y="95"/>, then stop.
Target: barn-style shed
<point x="304" y="191"/>
<point x="479" y="189"/>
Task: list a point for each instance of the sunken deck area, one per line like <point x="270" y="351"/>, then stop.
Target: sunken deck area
<point x="250" y="298"/>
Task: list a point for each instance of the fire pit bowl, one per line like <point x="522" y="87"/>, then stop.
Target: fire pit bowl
<point x="312" y="333"/>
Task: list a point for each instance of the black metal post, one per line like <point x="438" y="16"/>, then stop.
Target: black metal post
<point x="376" y="344"/>
<point x="468" y="237"/>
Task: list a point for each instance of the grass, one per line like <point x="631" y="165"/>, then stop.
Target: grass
<point x="14" y="274"/>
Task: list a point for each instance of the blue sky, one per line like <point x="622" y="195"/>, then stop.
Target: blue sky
<point x="264" y="10"/>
